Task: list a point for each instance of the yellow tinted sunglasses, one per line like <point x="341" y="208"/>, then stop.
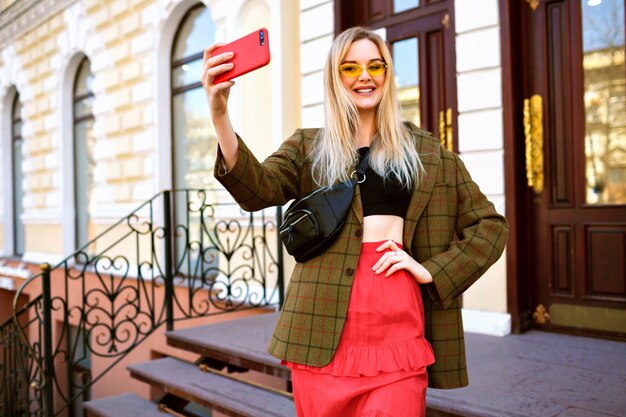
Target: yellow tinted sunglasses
<point x="354" y="70"/>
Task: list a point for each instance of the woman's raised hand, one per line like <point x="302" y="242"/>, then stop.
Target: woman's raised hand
<point x="217" y="94"/>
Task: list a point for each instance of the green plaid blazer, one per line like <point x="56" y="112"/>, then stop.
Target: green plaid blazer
<point x="450" y="227"/>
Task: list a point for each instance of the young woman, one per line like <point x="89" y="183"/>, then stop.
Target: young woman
<point x="355" y="330"/>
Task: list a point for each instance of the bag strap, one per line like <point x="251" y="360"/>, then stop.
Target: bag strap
<point x="361" y="168"/>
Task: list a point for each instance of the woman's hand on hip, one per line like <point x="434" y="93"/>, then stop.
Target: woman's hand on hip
<point x="394" y="259"/>
<point x="217" y="94"/>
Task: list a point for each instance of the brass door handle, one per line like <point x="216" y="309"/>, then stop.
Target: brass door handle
<point x="445" y="129"/>
<point x="449" y="144"/>
<point x="533" y="133"/>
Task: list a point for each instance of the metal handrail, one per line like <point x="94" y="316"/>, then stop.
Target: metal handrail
<point x="182" y="254"/>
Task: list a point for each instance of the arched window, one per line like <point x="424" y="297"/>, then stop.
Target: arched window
<point x="82" y="100"/>
<point x="18" y="176"/>
<point x="194" y="141"/>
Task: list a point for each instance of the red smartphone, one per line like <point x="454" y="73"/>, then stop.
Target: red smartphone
<point x="251" y="52"/>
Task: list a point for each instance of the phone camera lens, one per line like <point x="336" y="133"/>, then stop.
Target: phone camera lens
<point x="262" y="37"/>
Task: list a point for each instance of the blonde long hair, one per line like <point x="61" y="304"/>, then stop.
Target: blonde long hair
<point x="392" y="153"/>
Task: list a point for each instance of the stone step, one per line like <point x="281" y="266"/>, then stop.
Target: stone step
<point x="124" y="405"/>
<point x="240" y="342"/>
<point x="218" y="392"/>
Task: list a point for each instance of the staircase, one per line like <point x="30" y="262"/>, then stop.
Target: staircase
<point x="216" y="381"/>
<point x="183" y="254"/>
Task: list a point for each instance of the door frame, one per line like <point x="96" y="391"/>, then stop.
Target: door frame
<point x="516" y="56"/>
<point x="517" y="198"/>
<point x="515" y="59"/>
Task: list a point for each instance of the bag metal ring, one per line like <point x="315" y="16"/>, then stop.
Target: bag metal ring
<point x="357" y="177"/>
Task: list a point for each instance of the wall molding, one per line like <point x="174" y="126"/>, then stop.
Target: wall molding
<point x="486" y="322"/>
<point x="22" y="16"/>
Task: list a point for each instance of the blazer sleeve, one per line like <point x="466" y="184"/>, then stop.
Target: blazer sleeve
<point x="255" y="185"/>
<point x="482" y="235"/>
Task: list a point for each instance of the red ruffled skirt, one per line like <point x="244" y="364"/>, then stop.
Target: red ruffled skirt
<point x="382" y="339"/>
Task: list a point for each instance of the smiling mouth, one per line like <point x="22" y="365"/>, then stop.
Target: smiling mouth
<point x="364" y="90"/>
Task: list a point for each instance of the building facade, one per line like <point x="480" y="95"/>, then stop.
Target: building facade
<point x="101" y="108"/>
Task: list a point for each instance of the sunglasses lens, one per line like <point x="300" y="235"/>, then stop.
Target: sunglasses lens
<point x="350" y="70"/>
<point x="375" y="69"/>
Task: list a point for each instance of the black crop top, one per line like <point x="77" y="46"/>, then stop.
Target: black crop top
<point x="382" y="195"/>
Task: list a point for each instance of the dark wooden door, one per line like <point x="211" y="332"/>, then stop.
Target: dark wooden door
<point x="575" y="149"/>
<point x="420" y="34"/>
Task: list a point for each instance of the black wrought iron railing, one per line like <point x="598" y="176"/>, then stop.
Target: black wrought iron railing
<point x="183" y="254"/>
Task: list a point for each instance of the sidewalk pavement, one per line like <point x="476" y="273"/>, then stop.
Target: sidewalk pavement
<point x="538" y="374"/>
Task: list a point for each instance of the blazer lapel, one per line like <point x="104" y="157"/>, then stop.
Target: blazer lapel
<point x="428" y="149"/>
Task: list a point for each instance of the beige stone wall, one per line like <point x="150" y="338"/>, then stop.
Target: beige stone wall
<point x="5" y="3"/>
<point x="480" y="135"/>
<point x="114" y="36"/>
<point x="123" y="101"/>
<point x="35" y="51"/>
<point x="44" y="239"/>
<point x="489" y="292"/>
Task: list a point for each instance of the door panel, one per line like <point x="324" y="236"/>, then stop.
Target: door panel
<point x="436" y="93"/>
<point x="605" y="274"/>
<point x="563" y="274"/>
<point x="434" y="72"/>
<point x="577" y="230"/>
<point x="560" y="127"/>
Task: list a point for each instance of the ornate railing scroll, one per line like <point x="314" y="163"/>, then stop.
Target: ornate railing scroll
<point x="183" y="254"/>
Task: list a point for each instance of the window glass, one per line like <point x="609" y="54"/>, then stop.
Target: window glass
<point x="17" y="112"/>
<point x="403" y="5"/>
<point x="19" y="241"/>
<point x="195" y="34"/>
<point x="84" y="161"/>
<point x="84" y="180"/>
<point x="84" y="80"/>
<point x="83" y="107"/>
<point x="405" y="60"/>
<point x="187" y="73"/>
<point x="605" y="101"/>
<point x="195" y="140"/>
<point x="83" y="91"/>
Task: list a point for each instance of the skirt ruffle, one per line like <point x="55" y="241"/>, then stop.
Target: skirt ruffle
<point x="371" y="360"/>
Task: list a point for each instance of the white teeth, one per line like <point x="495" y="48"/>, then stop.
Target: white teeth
<point x="365" y="90"/>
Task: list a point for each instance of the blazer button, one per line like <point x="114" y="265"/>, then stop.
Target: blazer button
<point x="358" y="233"/>
<point x="349" y="272"/>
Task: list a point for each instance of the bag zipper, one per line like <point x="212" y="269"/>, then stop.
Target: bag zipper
<point x="306" y="213"/>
